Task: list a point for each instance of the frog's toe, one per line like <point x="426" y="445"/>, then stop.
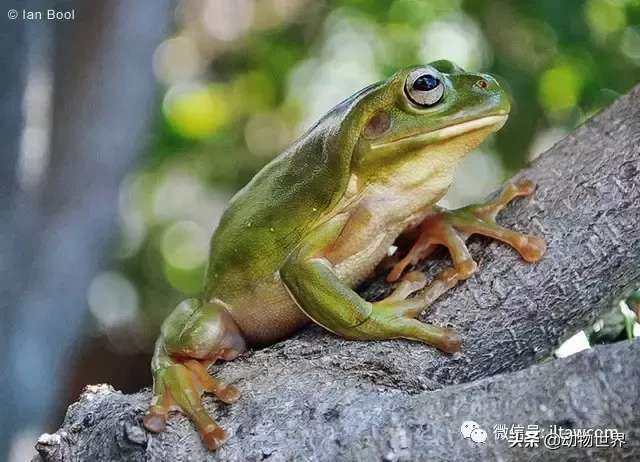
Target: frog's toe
<point x="421" y="249"/>
<point x="228" y="395"/>
<point x="532" y="248"/>
<point x="412" y="282"/>
<point x="213" y="436"/>
<point x="525" y="187"/>
<point x="155" y="420"/>
<point x="465" y="268"/>
<point x="451" y="341"/>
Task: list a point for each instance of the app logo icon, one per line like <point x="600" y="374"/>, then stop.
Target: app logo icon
<point x="472" y="430"/>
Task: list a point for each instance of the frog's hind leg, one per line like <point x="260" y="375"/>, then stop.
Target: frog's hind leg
<point x="452" y="228"/>
<point x="193" y="337"/>
<point x="177" y="385"/>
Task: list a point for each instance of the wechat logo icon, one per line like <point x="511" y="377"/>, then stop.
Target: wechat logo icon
<point x="472" y="430"/>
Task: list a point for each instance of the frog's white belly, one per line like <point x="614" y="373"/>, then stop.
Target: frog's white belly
<point x="391" y="214"/>
<point x="356" y="268"/>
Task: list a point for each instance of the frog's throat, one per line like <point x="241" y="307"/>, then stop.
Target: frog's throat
<point x="495" y="122"/>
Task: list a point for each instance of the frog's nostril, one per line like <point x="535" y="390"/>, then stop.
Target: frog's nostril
<point x="482" y="83"/>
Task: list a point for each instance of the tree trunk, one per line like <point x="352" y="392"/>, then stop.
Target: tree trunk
<point x="316" y="396"/>
<point x="55" y="239"/>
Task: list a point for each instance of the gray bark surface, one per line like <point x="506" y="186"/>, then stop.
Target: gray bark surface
<point x="316" y="396"/>
<point x="308" y="419"/>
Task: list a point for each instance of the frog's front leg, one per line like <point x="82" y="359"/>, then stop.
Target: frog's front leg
<point x="451" y="228"/>
<point x="327" y="299"/>
<point x="194" y="336"/>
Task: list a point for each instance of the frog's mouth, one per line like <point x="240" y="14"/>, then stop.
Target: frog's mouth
<point x="492" y="122"/>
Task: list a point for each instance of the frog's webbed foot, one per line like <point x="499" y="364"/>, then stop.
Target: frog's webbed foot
<point x="180" y="383"/>
<point x="452" y="228"/>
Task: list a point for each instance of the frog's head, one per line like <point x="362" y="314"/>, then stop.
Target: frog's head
<point x="423" y="120"/>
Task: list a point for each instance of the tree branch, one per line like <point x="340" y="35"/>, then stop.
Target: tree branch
<point x="319" y="397"/>
<point x="324" y="420"/>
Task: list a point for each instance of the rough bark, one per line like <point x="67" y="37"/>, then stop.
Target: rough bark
<point x="328" y="420"/>
<point x="319" y="397"/>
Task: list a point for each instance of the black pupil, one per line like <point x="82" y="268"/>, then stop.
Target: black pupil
<point x="426" y="82"/>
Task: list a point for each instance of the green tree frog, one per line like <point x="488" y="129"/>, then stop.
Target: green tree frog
<point x="317" y="220"/>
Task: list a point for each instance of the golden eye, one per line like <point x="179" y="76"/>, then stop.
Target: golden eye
<point x="424" y="87"/>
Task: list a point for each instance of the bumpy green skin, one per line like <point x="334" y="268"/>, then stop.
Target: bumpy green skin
<point x="267" y="219"/>
<point x="316" y="221"/>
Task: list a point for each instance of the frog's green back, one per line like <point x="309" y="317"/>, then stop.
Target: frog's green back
<point x="266" y="220"/>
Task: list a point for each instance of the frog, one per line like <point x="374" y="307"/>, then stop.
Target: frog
<point x="293" y="245"/>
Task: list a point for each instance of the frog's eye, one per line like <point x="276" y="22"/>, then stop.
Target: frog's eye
<point x="423" y="87"/>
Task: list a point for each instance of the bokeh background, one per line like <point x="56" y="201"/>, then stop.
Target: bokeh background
<point x="202" y="94"/>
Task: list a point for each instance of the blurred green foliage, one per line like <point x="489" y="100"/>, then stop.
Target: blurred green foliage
<point x="240" y="79"/>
